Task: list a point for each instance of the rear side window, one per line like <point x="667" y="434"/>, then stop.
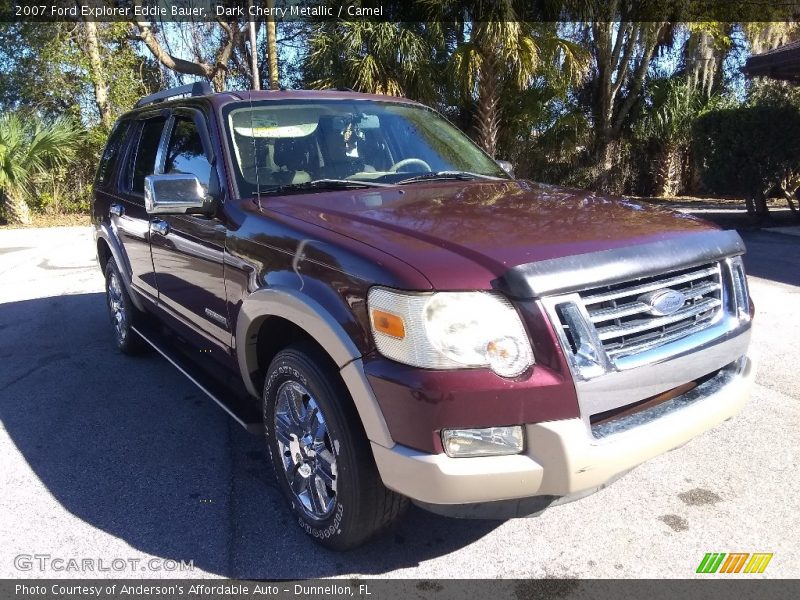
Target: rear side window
<point x="185" y="153"/>
<point x="144" y="162"/>
<point x="116" y="139"/>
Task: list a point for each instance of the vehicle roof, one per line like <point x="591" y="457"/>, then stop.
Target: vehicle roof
<point x="222" y="98"/>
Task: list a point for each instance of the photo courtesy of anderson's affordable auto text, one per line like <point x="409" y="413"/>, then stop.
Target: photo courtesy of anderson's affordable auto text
<point x="382" y="299"/>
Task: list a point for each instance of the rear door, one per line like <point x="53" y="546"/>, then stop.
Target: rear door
<point x="188" y="249"/>
<point x="128" y="215"/>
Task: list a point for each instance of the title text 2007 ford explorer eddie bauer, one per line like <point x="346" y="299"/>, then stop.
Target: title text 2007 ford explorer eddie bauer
<point x="407" y="320"/>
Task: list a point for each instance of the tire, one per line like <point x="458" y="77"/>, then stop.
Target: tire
<point x="320" y="454"/>
<point x="121" y="312"/>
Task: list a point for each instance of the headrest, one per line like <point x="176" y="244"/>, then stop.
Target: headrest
<point x="246" y="149"/>
<point x="292" y="153"/>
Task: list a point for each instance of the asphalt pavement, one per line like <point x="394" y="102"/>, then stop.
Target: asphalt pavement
<point x="108" y="458"/>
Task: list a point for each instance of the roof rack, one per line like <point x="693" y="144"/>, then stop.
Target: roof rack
<point x="199" y="88"/>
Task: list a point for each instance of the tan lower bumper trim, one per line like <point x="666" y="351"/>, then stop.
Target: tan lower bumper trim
<point x="561" y="457"/>
<point x="439" y="479"/>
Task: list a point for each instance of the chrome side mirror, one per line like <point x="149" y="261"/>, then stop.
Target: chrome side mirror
<point x="175" y="194"/>
<point x="507" y="167"/>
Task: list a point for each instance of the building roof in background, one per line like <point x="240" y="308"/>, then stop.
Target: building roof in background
<point x="781" y="63"/>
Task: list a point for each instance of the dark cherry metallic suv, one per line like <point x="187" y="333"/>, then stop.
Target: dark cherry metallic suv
<point x="400" y="317"/>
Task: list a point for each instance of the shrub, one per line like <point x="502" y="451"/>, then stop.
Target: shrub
<point x="748" y="150"/>
<point x="30" y="149"/>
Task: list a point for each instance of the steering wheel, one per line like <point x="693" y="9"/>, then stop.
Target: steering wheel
<point x="410" y="161"/>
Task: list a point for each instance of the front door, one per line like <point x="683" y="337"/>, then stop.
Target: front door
<point x="188" y="249"/>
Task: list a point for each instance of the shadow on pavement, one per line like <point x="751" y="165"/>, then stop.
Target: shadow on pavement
<point x="770" y="255"/>
<point x="774" y="256"/>
<point x="130" y="447"/>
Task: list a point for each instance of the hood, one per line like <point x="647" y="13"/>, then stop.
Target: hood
<point x="464" y="235"/>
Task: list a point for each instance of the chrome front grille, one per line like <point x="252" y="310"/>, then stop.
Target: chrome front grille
<point x="645" y="328"/>
<point x="620" y="320"/>
<point x="626" y="324"/>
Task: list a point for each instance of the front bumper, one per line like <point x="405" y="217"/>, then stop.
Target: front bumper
<point x="562" y="458"/>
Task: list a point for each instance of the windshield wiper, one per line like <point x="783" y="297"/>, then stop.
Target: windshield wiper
<point x="322" y="184"/>
<point x="440" y="175"/>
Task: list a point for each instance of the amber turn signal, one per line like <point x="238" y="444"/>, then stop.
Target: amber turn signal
<point x="387" y="323"/>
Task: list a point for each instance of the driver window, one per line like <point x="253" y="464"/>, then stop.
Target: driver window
<point x="412" y="141"/>
<point x="185" y="152"/>
<point x="374" y="146"/>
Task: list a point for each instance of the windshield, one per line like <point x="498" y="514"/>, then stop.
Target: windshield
<point x="278" y="145"/>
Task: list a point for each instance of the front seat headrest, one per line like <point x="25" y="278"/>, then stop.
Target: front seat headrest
<point x="291" y="153"/>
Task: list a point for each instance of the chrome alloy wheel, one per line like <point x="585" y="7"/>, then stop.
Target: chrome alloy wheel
<point x="116" y="307"/>
<point x="306" y="449"/>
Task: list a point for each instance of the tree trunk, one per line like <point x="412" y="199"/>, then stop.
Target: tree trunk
<point x="757" y="205"/>
<point x="216" y="73"/>
<point x="667" y="180"/>
<point x="488" y="103"/>
<point x="255" y="80"/>
<point x="98" y="74"/>
<point x="623" y="54"/>
<point x="790" y="201"/>
<point x="761" y="206"/>
<point x="607" y="156"/>
<point x="17" y="211"/>
<point x="219" y="79"/>
<point x="272" y="48"/>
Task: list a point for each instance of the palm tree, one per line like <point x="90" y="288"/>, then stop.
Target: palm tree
<point x="499" y="50"/>
<point x="387" y="58"/>
<point x="29" y="148"/>
<point x="494" y="47"/>
<point x="467" y="52"/>
<point x="674" y="107"/>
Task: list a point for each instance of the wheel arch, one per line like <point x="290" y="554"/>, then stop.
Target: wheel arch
<point x="298" y="316"/>
<point x="109" y="246"/>
<point x="103" y="252"/>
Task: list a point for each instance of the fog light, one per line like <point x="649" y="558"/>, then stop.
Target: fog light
<point x="490" y="441"/>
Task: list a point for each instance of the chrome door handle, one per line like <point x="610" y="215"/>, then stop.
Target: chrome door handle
<point x="116" y="210"/>
<point x="160" y="227"/>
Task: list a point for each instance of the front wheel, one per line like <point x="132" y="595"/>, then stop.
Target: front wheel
<point x="320" y="454"/>
<point x="121" y="312"/>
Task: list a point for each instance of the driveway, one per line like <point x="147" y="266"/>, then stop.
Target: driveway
<point x="105" y="456"/>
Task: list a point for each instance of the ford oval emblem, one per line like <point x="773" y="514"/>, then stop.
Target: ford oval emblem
<point x="663" y="302"/>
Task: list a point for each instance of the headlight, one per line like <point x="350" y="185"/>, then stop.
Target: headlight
<point x="740" y="292"/>
<point x="450" y="330"/>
